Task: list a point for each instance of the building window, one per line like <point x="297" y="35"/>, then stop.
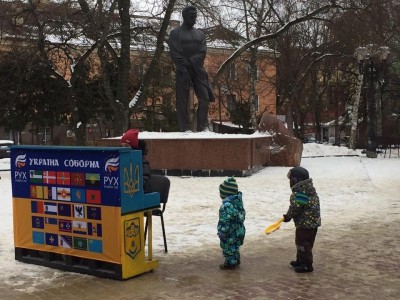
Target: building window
<point x="231" y="102"/>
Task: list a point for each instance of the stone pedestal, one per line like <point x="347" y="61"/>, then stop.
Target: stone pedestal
<point x="224" y="155"/>
<point x="286" y="149"/>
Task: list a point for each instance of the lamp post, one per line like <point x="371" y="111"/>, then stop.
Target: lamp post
<point x="370" y="60"/>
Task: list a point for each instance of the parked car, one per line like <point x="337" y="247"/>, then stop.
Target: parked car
<point x="309" y="139"/>
<point x="5" y="148"/>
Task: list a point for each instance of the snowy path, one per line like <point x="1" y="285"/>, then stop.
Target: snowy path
<point x="354" y="191"/>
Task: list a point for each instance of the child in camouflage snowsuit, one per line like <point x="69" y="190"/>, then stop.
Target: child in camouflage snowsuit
<point x="304" y="209"/>
<point x="231" y="230"/>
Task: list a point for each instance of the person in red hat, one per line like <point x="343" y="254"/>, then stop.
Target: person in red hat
<point x="151" y="182"/>
<point x="130" y="139"/>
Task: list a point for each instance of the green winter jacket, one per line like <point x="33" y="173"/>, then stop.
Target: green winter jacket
<point x="304" y="206"/>
<point x="232" y="214"/>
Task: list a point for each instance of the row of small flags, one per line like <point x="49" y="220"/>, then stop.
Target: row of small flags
<point x="64" y="178"/>
<point x="65" y="194"/>
<point x="70" y="226"/>
<point x="66" y="210"/>
<point x="66" y="241"/>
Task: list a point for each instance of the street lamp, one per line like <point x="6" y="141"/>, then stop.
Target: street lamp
<point x="370" y="60"/>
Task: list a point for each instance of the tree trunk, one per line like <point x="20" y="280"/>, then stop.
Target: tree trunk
<point x="124" y="65"/>
<point x="253" y="79"/>
<point x="379" y="121"/>
<point x="289" y="115"/>
<point x="354" y="115"/>
<point x="337" y="131"/>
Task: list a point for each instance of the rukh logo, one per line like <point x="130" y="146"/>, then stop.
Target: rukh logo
<point x="112" y="164"/>
<point x="20" y="161"/>
<point x="110" y="182"/>
<point x="131" y="180"/>
<point x="20" y="176"/>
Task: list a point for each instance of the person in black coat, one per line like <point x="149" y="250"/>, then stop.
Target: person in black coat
<point x="151" y="182"/>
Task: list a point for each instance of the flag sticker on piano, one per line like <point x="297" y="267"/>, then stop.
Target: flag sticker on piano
<point x="63" y="178"/>
<point x="79" y="211"/>
<point x="52" y="221"/>
<point x="92" y="179"/>
<point x="53" y="193"/>
<point x="38" y="237"/>
<point x="65" y="241"/>
<point x="93" y="212"/>
<point x="46" y="192"/>
<point x="95" y="246"/>
<point x="78" y="179"/>
<point x="63" y="194"/>
<point x="36" y="191"/>
<point x="36" y="176"/>
<point x="37" y="207"/>
<point x="51" y="239"/>
<point x="79" y="227"/>
<point x="95" y="229"/>
<point x="39" y="192"/>
<point x="37" y="222"/>
<point x="65" y="225"/>
<point x="64" y="209"/>
<point x="93" y="196"/>
<point x="51" y="224"/>
<point x="50" y="208"/>
<point x="80" y="243"/>
<point x="49" y="177"/>
<point x="78" y="195"/>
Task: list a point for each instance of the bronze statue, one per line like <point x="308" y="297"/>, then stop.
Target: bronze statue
<point x="188" y="50"/>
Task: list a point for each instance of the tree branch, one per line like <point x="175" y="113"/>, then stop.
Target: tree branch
<point x="259" y="40"/>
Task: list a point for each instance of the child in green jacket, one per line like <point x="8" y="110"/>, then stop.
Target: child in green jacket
<point x="231" y="229"/>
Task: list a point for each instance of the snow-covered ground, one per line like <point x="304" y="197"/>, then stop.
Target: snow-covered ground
<point x="350" y="187"/>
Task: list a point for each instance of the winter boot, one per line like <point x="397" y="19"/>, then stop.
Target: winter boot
<point x="228" y="267"/>
<point x="303" y="269"/>
<point x="295" y="263"/>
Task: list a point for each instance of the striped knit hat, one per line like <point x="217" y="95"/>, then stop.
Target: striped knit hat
<point x="228" y="187"/>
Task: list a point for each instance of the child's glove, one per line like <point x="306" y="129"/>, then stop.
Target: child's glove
<point x="286" y="219"/>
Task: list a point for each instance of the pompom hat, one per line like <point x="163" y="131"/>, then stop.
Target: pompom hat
<point x="228" y="187"/>
<point x="131" y="137"/>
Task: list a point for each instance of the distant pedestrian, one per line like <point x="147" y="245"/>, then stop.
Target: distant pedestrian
<point x="231" y="229"/>
<point x="304" y="209"/>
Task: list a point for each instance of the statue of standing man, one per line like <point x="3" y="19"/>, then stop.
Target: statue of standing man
<point x="188" y="50"/>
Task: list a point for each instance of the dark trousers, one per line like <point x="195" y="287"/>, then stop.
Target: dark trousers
<point x="200" y="87"/>
<point x="160" y="184"/>
<point x="304" y="243"/>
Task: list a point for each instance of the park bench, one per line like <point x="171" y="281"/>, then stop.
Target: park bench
<point x="387" y="144"/>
